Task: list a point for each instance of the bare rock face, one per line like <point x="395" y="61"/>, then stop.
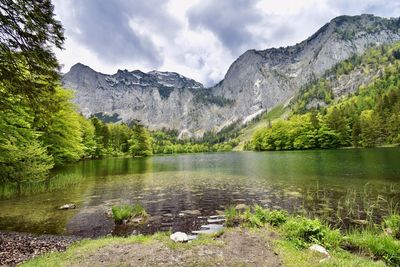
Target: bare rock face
<point x="255" y="82"/>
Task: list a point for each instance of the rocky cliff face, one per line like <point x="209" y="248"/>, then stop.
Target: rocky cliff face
<point x="255" y="82"/>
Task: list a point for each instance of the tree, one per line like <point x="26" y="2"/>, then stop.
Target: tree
<point x="28" y="31"/>
<point x="370" y="131"/>
<point x="22" y="155"/>
<point x="140" y="142"/>
<point x="62" y="136"/>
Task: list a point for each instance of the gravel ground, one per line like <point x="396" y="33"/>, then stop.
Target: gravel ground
<point x="18" y="247"/>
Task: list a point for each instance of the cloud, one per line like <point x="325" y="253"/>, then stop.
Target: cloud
<point x="108" y="28"/>
<point x="229" y="20"/>
<point x="198" y="38"/>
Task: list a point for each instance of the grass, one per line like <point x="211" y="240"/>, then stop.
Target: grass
<point x="392" y="225"/>
<point x="364" y="247"/>
<point x="125" y="212"/>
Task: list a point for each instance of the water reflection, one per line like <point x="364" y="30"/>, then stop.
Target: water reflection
<point x="324" y="183"/>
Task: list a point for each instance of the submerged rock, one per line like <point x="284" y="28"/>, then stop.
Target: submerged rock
<point x="179" y="237"/>
<point x="192" y="212"/>
<point x="67" y="207"/>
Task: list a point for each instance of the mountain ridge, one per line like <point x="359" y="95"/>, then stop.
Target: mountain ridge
<point x="254" y="83"/>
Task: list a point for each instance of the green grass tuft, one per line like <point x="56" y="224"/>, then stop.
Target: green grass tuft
<point x="125" y="212"/>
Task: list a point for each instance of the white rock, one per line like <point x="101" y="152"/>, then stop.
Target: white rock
<point x="319" y="249"/>
<point x="67" y="207"/>
<point x="179" y="237"/>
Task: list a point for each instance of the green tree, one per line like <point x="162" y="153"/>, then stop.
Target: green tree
<point x="63" y="136"/>
<point x="140" y="142"/>
<point x="28" y="67"/>
<point x="22" y="155"/>
<point x="370" y="131"/>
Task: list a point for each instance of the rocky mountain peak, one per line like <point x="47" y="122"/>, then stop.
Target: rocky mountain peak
<point x="256" y="82"/>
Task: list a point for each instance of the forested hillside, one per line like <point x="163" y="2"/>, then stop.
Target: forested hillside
<point x="368" y="117"/>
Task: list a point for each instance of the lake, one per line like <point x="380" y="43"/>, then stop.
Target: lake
<point x="344" y="187"/>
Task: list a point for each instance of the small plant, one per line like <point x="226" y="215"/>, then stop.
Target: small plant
<point x="232" y="216"/>
<point x="303" y="231"/>
<point x="393" y="223"/>
<point x="126" y="212"/>
<point x="277" y="217"/>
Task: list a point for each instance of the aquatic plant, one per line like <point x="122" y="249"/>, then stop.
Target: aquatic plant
<point x="125" y="212"/>
<point x="232" y="216"/>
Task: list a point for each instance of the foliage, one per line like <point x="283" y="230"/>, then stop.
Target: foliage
<point x="28" y="67"/>
<point x="22" y="155"/>
<point x="140" y="142"/>
<point x="205" y="96"/>
<point x="63" y="134"/>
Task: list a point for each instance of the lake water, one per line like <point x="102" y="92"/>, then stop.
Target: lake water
<point x="342" y="186"/>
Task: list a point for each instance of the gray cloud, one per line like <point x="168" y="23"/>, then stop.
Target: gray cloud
<point x="385" y="8"/>
<point x="104" y="28"/>
<point x="229" y="20"/>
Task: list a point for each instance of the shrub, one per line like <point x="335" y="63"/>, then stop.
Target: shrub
<point x="260" y="217"/>
<point x="303" y="231"/>
<point x="277" y="217"/>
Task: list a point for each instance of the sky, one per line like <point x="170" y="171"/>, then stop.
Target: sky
<point x="199" y="39"/>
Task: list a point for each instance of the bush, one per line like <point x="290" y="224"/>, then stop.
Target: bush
<point x="303" y="231"/>
<point x="277" y="217"/>
<point x="393" y="223"/>
<point x="125" y="212"/>
<point x="260" y="217"/>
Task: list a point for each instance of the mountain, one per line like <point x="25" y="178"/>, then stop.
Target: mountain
<point x="256" y="82"/>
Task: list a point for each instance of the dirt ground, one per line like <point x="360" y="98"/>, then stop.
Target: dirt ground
<point x="238" y="247"/>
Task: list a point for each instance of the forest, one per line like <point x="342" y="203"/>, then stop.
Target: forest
<point x="369" y="117"/>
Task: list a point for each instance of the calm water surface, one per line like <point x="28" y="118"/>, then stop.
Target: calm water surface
<point x="339" y="185"/>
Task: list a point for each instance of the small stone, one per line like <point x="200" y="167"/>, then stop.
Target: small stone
<point x="388" y="231"/>
<point x="67" y="207"/>
<point x="179" y="237"/>
<point x="181" y="214"/>
<point x="320" y="249"/>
